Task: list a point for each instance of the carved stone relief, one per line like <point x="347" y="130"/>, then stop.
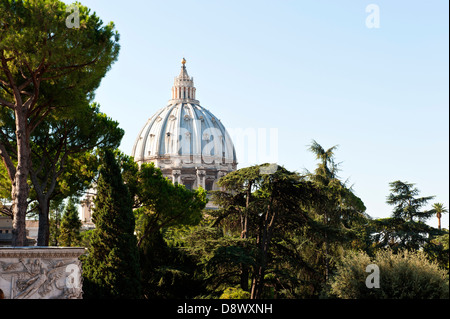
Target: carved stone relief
<point x="41" y="273"/>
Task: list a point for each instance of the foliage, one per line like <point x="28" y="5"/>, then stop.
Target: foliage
<point x="268" y="236"/>
<point x="403" y="275"/>
<point x="407" y="205"/>
<point x="86" y="236"/>
<point x="70" y="226"/>
<point x="47" y="71"/>
<point x="260" y="211"/>
<point x="55" y="216"/>
<point x="111" y="269"/>
<point x="338" y="216"/>
<point x="63" y="157"/>
<point x="5" y="185"/>
<point x="167" y="271"/>
<point x="219" y="258"/>
<point x="159" y="203"/>
<point x="224" y="251"/>
<point x="438" y="250"/>
<point x="406" y="228"/>
<point x="63" y="149"/>
<point x="235" y="293"/>
<point x="64" y="160"/>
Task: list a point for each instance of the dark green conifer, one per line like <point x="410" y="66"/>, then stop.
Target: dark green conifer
<point x="111" y="269"/>
<point x="70" y="226"/>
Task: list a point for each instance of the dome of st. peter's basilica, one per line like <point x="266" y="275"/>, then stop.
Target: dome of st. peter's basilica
<point x="185" y="140"/>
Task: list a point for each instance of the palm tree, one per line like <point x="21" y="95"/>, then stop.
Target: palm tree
<point x="440" y="209"/>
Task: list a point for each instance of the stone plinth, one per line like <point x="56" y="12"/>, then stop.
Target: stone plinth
<point x="41" y="272"/>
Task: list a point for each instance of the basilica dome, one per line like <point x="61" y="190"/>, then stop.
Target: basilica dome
<point x="185" y="140"/>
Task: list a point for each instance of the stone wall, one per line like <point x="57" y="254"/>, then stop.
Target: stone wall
<point x="41" y="273"/>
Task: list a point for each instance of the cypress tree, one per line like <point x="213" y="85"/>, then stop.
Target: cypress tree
<point x="70" y="226"/>
<point x="111" y="268"/>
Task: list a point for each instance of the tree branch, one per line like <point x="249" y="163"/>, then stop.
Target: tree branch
<point x="7" y="104"/>
<point x="12" y="83"/>
<point x="10" y="167"/>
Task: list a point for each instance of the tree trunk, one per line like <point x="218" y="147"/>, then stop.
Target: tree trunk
<point x="244" y="235"/>
<point x="244" y="268"/>
<point x="264" y="238"/>
<point x="258" y="284"/>
<point x="257" y="272"/>
<point x="19" y="214"/>
<point x="258" y="281"/>
<point x="244" y="277"/>
<point x="327" y="266"/>
<point x="20" y="189"/>
<point x="43" y="197"/>
<point x="44" y="226"/>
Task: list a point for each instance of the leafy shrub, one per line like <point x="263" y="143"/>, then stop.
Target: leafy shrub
<point x="235" y="293"/>
<point x="404" y="275"/>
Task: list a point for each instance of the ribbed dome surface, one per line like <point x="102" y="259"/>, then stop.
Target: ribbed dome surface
<point x="185" y="130"/>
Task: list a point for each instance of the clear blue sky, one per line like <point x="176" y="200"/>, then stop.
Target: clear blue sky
<point x="311" y="69"/>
